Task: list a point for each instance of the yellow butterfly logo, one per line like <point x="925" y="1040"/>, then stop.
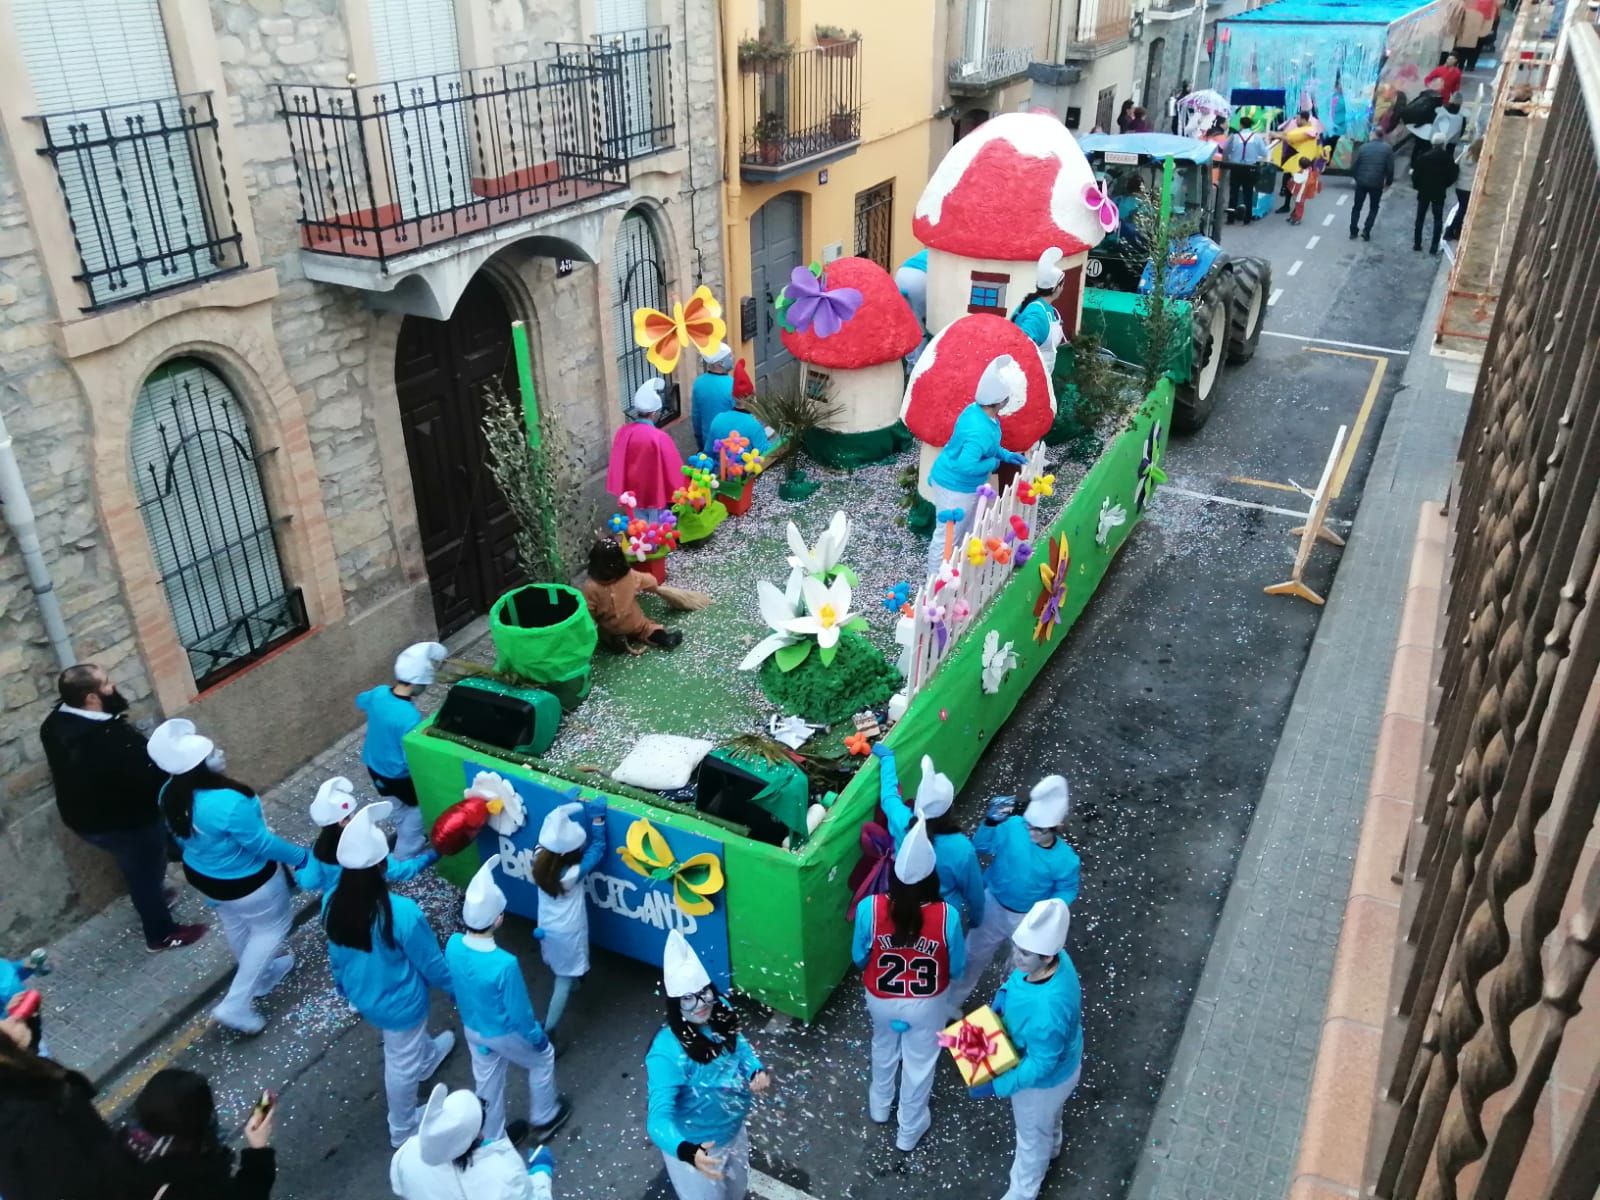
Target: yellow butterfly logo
<point x="698" y="323"/>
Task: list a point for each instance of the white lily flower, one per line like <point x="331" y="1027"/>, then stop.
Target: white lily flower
<point x="777" y="610"/>
<point x="827" y="610"/>
<point x="825" y="556"/>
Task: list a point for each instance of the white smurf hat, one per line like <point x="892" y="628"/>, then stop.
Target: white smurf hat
<point x="560" y="834"/>
<point x="1049" y="273"/>
<point x="363" y="844"/>
<point x="647" y="397"/>
<point x="1044" y="929"/>
<point x="451" y="1122"/>
<point x="682" y="972"/>
<point x="484" y="901"/>
<point x="1000" y="380"/>
<point x="336" y="800"/>
<point x="721" y="356"/>
<point x="935" y="792"/>
<point x="176" y="748"/>
<point x="417" y="664"/>
<point x="1048" y="803"/>
<point x="914" y="861"/>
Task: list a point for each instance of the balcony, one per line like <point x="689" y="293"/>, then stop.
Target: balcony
<point x="1098" y="28"/>
<point x="406" y="187"/>
<point x="146" y="195"/>
<point x="801" y="109"/>
<point x="983" y="72"/>
<point x="638" y="68"/>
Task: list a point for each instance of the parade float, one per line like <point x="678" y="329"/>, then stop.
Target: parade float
<point x="735" y="770"/>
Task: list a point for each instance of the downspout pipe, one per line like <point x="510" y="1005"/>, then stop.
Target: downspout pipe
<point x="19" y="516"/>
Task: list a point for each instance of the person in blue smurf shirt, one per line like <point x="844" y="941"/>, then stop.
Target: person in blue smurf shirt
<point x="452" y="1157"/>
<point x="1041" y="1006"/>
<point x="391" y="714"/>
<point x="703" y="1078"/>
<point x="960" y="876"/>
<point x="331" y="810"/>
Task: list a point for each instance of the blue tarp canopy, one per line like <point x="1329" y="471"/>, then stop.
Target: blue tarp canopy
<point x="1330" y="12"/>
<point x="1154" y="146"/>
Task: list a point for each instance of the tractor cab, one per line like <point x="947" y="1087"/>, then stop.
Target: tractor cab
<point x="1129" y="167"/>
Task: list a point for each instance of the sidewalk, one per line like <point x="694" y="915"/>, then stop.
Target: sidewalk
<point x="1233" y="1103"/>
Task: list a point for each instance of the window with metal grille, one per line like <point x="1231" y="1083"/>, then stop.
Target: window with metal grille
<point x="819" y="384"/>
<point x="640" y="283"/>
<point x="988" y="292"/>
<point x="197" y="481"/>
<point x="875" y="223"/>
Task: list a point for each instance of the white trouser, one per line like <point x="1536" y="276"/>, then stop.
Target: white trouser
<point x="490" y="1057"/>
<point x="689" y="1184"/>
<point x="409" y="840"/>
<point x="255" y="927"/>
<point x="944" y="498"/>
<point x="996" y="928"/>
<point x="914" y="1053"/>
<point x="1037" y="1112"/>
<point x="409" y="1057"/>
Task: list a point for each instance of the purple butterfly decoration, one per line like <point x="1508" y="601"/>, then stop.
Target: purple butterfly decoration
<point x="1105" y="208"/>
<point x="814" y="306"/>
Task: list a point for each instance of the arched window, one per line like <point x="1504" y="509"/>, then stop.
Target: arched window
<point x="197" y="480"/>
<point x="640" y="283"/>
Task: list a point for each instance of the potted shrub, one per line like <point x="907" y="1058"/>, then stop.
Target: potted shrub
<point x="762" y="56"/>
<point x="842" y="125"/>
<point x="836" y="43"/>
<point x="769" y="133"/>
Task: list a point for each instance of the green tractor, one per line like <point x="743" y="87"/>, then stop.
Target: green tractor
<point x="1227" y="296"/>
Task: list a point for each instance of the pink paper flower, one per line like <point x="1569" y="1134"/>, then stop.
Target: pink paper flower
<point x="1105" y="208"/>
<point x="960" y="611"/>
<point x="628" y="500"/>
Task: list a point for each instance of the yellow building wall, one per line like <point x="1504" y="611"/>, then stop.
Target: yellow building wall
<point x="900" y="88"/>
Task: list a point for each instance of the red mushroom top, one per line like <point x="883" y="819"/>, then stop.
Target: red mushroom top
<point x="946" y="377"/>
<point x="1009" y="191"/>
<point x="884" y="328"/>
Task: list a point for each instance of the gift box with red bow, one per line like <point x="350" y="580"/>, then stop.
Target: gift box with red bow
<point x="979" y="1044"/>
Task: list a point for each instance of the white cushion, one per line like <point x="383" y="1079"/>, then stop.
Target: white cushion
<point x="660" y="762"/>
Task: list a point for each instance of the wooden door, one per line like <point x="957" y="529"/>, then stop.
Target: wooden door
<point x="468" y="533"/>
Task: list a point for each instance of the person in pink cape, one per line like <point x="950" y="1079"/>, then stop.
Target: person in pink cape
<point x="645" y="459"/>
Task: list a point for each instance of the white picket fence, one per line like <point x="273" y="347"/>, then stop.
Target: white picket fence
<point x="976" y="585"/>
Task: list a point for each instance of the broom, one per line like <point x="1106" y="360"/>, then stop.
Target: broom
<point x="682" y="599"/>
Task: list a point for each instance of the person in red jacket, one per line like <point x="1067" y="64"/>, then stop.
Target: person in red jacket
<point x="1448" y="74"/>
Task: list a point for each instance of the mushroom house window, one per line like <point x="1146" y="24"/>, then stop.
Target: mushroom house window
<point x="818" y="384"/>
<point x="988" y="293"/>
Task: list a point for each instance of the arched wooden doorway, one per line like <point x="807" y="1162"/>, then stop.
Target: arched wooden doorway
<point x="441" y="371"/>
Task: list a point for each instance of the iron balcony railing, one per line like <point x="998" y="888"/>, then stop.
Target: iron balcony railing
<point x="146" y="193"/>
<point x="982" y="71"/>
<point x="385" y="170"/>
<point x="802" y="104"/>
<point x="638" y="65"/>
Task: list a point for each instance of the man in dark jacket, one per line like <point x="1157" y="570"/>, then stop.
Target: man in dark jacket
<point x="1373" y="170"/>
<point x="1432" y="173"/>
<point x="106" y="790"/>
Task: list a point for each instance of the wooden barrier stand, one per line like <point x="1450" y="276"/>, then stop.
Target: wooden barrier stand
<point x="1314" y="528"/>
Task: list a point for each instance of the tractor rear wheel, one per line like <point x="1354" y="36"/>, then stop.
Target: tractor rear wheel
<point x="1252" y="280"/>
<point x="1209" y="330"/>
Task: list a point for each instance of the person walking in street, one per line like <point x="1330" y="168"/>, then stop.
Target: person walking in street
<point x="176" y="1149"/>
<point x="54" y="1145"/>
<point x="1305" y="184"/>
<point x="1125" y="117"/>
<point x="1243" y="150"/>
<point x="1447" y="75"/>
<point x="1031" y="862"/>
<point x="1432" y="173"/>
<point x="1372" y="168"/>
<point x="452" y="1157"/>
<point x="384" y="959"/>
<point x="498" y="1017"/>
<point x="1041" y="1005"/>
<point x="1466" y="171"/>
<point x="331" y="810"/>
<point x="1451" y="120"/>
<point x="702" y="1077"/>
<point x="1139" y="124"/>
<point x="972" y="454"/>
<point x="960" y="876"/>
<point x="106" y="789"/>
<point x="565" y="856"/>
<point x="909" y="947"/>
<point x="231" y="857"/>
<point x="391" y="714"/>
<point x="712" y="394"/>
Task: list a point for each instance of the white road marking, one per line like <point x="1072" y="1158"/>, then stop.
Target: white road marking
<point x="1273" y="299"/>
<point x="773" y="1189"/>
<point x="1343" y="196"/>
<point x="1328" y="220"/>
<point x="1229" y="500"/>
<point x="1295" y="337"/>
<point x="1295" y="269"/>
<point x="1315" y="238"/>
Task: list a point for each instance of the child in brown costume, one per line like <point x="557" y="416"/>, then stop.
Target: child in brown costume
<point x="612" y="593"/>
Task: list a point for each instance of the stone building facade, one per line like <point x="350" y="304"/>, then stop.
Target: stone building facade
<point x="240" y="350"/>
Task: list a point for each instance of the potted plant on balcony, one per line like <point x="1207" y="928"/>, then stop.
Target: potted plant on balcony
<point x="834" y="42"/>
<point x="769" y="134"/>
<point x="842" y="125"/>
<point x="762" y="55"/>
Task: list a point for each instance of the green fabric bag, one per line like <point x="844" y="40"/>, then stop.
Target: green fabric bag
<point x="543" y="632"/>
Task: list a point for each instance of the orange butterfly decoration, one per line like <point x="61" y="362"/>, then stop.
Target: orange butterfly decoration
<point x="698" y="324"/>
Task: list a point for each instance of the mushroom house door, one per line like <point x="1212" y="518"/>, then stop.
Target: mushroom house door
<point x="1070" y="302"/>
<point x="774" y="252"/>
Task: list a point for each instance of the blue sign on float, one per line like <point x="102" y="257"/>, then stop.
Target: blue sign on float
<point x="628" y="914"/>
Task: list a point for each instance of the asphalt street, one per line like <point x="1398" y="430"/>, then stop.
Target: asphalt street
<point x="1163" y="710"/>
